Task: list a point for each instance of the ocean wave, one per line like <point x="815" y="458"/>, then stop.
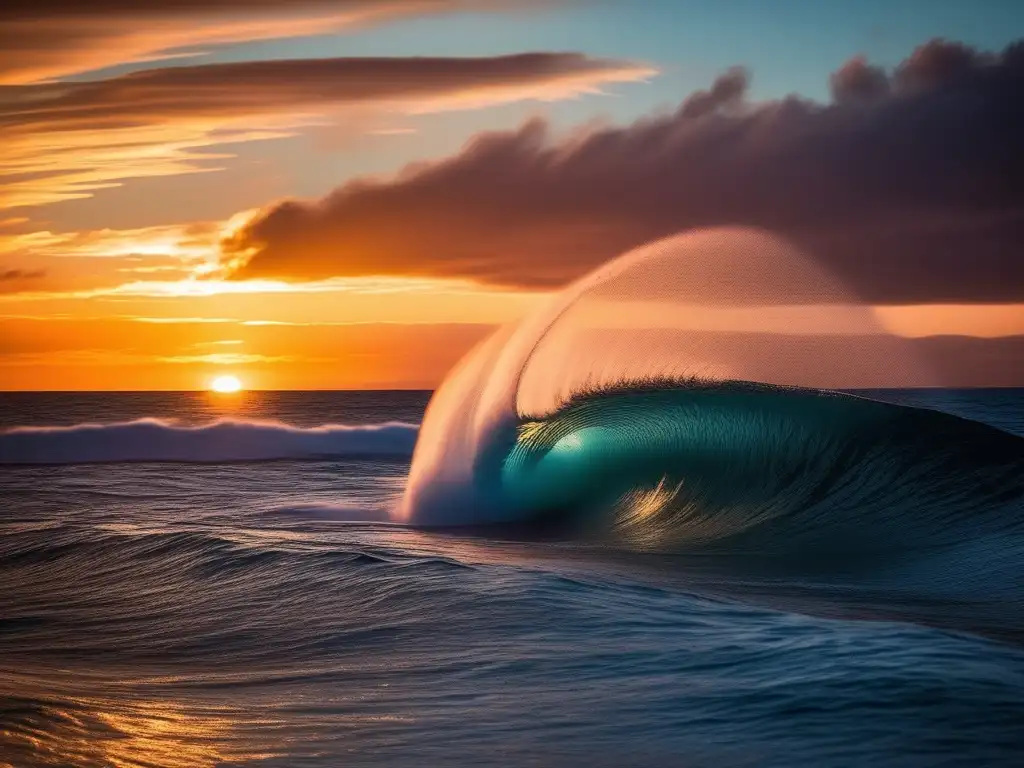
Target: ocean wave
<point x="143" y="556"/>
<point x="226" y="440"/>
<point x="607" y="413"/>
<point x="765" y="470"/>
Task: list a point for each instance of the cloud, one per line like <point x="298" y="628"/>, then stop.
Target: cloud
<point x="54" y="38"/>
<point x="93" y="260"/>
<point x="13" y="281"/>
<point x="227" y="358"/>
<point x="909" y="186"/>
<point x="9" y="275"/>
<point x="942" y="62"/>
<point x="857" y="81"/>
<point x="246" y="89"/>
<point x="967" y="361"/>
<point x="65" y="140"/>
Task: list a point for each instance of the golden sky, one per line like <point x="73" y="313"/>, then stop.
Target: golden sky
<point x="351" y="194"/>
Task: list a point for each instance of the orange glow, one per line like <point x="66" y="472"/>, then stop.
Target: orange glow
<point x="323" y="340"/>
<point x="132" y="732"/>
<point x="160" y="226"/>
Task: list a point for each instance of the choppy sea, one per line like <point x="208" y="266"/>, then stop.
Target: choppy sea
<point x="192" y="580"/>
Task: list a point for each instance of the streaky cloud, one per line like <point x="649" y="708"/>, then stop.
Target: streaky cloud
<point x="55" y="38"/>
<point x="66" y="140"/>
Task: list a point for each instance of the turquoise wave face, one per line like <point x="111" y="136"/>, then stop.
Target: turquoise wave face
<point x="763" y="469"/>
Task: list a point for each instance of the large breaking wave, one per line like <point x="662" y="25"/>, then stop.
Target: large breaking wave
<point x="679" y="397"/>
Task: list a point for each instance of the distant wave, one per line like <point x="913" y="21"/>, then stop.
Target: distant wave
<point x="220" y="441"/>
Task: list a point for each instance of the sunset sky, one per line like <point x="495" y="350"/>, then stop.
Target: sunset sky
<point x="350" y="193"/>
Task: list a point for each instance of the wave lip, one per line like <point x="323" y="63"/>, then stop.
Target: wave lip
<point x="225" y="440"/>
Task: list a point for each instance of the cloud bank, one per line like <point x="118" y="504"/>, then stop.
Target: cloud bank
<point x="908" y="185"/>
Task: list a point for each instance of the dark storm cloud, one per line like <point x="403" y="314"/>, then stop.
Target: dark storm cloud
<point x="909" y="186"/>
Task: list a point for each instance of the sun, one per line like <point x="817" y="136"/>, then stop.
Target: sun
<point x="226" y="384"/>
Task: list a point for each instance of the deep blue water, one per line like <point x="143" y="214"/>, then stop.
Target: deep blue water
<point x="176" y="594"/>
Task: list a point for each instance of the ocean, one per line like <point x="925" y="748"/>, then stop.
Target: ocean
<point x="196" y="580"/>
